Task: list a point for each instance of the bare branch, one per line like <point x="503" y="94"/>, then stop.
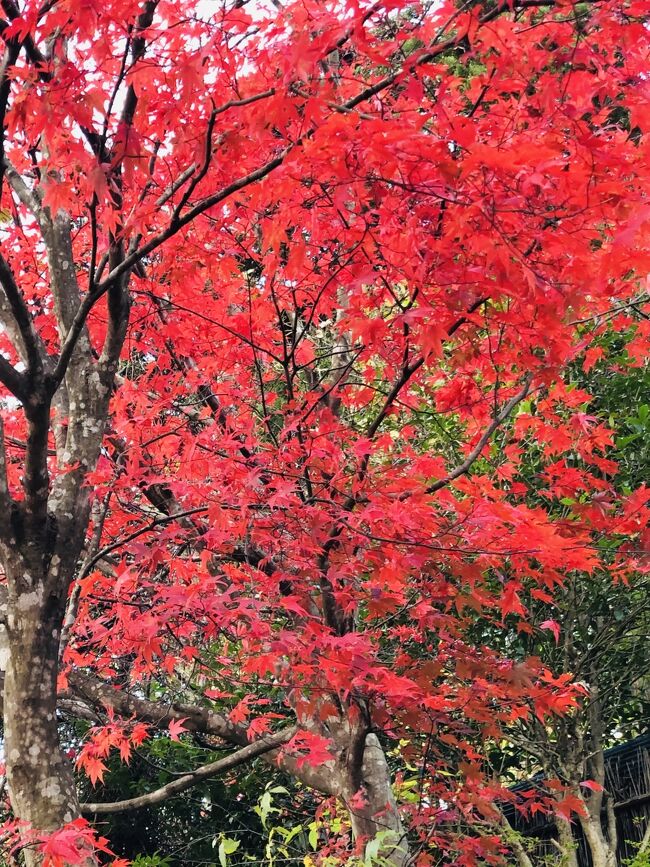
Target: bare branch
<point x="26" y="196"/>
<point x="195" y="718"/>
<point x="463" y="468"/>
<point x="23" y="318"/>
<point x="175" y="787"/>
<point x="182" y="221"/>
<point x="409" y="369"/>
<point x="118" y="543"/>
<point x="12" y="379"/>
<point x="5" y="499"/>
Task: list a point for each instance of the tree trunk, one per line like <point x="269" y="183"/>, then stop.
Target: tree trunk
<point x="513" y="840"/>
<point x="601" y="852"/>
<point x="378" y="817"/>
<point x="39" y="777"/>
<point x="568" y="853"/>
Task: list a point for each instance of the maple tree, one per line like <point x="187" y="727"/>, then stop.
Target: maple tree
<point x="250" y="256"/>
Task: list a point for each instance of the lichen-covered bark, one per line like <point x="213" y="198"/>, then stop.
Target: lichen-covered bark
<point x="41" y="785"/>
<point x="42" y="534"/>
<point x="568" y="847"/>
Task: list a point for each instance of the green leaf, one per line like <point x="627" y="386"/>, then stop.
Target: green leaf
<point x="226" y="847"/>
<point x="292" y="833"/>
<point x="621" y="442"/>
<point x="264" y="807"/>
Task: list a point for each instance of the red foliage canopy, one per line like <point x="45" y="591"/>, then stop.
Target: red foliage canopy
<point x="362" y="242"/>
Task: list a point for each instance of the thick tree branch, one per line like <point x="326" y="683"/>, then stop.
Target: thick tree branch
<point x="513" y="839"/>
<point x="72" y="337"/>
<point x="138" y="48"/>
<point x="197" y="719"/>
<point x="175" y="787"/>
<point x="23" y="193"/>
<point x="118" y="295"/>
<point x="12" y="50"/>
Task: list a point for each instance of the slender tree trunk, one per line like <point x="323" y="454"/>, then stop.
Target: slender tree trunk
<point x="601" y="852"/>
<point x="513" y="840"/>
<point x="568" y="853"/>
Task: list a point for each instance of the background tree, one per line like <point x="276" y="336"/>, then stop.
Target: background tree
<point x="245" y="253"/>
<point x="596" y="623"/>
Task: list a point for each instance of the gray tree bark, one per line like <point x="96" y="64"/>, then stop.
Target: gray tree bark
<point x="41" y="538"/>
<point x="603" y="850"/>
<point x="42" y="534"/>
<point x="40" y="778"/>
<point x="380" y="815"/>
<point x="364" y="770"/>
<point x="568" y="851"/>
